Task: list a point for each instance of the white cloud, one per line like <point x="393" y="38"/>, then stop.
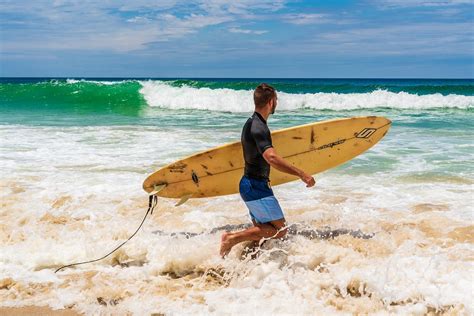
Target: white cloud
<point x="419" y="3"/>
<point x="126" y="39"/>
<point x="139" y="19"/>
<point x="244" y="31"/>
<point x="415" y="39"/>
<point x="305" y="18"/>
<point x="107" y="24"/>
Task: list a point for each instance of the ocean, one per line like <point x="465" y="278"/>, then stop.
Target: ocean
<point x="74" y="154"/>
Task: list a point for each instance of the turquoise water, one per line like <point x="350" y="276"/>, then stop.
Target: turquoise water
<point x="429" y="116"/>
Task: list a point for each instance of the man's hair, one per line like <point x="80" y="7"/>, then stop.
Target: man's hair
<point x="262" y="94"/>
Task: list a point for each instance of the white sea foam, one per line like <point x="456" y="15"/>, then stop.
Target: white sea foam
<point x="162" y="94"/>
<point x="73" y="193"/>
<point x="98" y="82"/>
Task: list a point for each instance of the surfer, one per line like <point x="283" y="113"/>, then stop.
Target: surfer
<point x="265" y="211"/>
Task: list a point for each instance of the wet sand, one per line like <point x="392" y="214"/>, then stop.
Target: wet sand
<point x="35" y="310"/>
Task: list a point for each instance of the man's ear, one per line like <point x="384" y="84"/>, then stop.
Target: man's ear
<point x="270" y="103"/>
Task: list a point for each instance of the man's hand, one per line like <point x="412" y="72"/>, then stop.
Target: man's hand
<point x="308" y="179"/>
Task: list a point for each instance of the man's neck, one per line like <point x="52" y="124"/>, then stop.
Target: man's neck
<point x="265" y="114"/>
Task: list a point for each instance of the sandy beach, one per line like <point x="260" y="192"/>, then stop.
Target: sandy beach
<point x="35" y="311"/>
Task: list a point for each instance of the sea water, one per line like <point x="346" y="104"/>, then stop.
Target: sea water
<point x="74" y="154"/>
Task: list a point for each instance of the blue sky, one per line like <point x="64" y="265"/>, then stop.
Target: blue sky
<point x="239" y="38"/>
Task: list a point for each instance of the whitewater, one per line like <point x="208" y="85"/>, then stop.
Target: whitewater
<point x="161" y="94"/>
<point x="74" y="153"/>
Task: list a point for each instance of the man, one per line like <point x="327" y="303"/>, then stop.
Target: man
<point x="254" y="187"/>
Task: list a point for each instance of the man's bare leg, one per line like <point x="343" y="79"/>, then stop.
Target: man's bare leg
<point x="273" y="229"/>
<point x="251" y="247"/>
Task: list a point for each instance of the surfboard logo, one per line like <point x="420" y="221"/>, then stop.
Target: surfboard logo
<point x="331" y="145"/>
<point x="366" y="133"/>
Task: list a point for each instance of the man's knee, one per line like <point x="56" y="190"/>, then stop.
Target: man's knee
<point x="281" y="232"/>
<point x="280" y="226"/>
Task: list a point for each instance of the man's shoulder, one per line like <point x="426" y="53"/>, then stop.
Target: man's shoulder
<point x="248" y="123"/>
<point x="257" y="122"/>
<point x="259" y="128"/>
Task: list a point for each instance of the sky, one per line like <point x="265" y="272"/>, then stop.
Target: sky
<point x="237" y="39"/>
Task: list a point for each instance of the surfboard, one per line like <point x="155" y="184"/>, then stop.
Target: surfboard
<point x="313" y="147"/>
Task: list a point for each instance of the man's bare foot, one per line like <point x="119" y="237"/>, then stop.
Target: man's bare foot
<point x="226" y="244"/>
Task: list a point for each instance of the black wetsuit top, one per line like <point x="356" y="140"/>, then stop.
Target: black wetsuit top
<point x="256" y="138"/>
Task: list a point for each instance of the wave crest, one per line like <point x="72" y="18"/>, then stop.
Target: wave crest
<point x="164" y="95"/>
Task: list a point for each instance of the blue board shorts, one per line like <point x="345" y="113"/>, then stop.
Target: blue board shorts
<point x="258" y="196"/>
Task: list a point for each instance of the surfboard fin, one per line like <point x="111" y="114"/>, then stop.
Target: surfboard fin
<point x="183" y="199"/>
<point x="157" y="189"/>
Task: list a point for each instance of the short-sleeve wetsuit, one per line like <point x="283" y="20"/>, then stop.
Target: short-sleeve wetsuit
<point x="256" y="138"/>
<point x="254" y="186"/>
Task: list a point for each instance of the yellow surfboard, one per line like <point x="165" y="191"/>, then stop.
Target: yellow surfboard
<point x="313" y="147"/>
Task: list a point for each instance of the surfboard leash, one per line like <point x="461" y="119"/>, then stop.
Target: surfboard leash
<point x="152" y="201"/>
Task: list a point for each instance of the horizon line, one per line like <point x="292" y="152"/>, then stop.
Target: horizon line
<point x="198" y="78"/>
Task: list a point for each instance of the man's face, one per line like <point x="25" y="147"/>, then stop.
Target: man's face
<point x="274" y="105"/>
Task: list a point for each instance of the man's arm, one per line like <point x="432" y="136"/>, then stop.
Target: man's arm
<point x="280" y="164"/>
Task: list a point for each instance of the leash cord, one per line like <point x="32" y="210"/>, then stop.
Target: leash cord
<point x="152" y="201"/>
